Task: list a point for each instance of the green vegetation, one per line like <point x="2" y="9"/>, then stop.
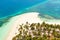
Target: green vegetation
<point x="37" y="31"/>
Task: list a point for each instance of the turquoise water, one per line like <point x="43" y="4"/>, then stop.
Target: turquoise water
<point x="4" y="32"/>
<point x="12" y="8"/>
<point x="50" y="8"/>
<point x="9" y="7"/>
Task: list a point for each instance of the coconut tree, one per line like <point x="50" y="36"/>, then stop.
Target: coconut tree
<point x="33" y="24"/>
<point x="38" y="25"/>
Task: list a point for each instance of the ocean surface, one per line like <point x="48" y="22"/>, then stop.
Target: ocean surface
<point x="48" y="9"/>
<point x="10" y="8"/>
<point x="14" y="7"/>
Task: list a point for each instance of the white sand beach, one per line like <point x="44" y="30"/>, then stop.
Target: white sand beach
<point x="15" y="21"/>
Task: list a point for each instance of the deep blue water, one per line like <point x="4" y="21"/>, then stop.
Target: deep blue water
<point x="9" y="7"/>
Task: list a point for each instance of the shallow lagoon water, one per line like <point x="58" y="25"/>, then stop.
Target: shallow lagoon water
<point x="11" y="8"/>
<point x="47" y="8"/>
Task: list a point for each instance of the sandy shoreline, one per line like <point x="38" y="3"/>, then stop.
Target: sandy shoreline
<point x="15" y="21"/>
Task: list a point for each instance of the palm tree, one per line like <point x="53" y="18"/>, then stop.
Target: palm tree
<point x="26" y="26"/>
<point x="33" y="24"/>
<point x="37" y="25"/>
<point x="38" y="32"/>
<point x="43" y="24"/>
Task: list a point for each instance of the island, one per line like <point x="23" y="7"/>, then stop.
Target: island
<point x="38" y="31"/>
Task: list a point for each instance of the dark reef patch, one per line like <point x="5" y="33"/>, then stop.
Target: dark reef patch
<point x="4" y="20"/>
